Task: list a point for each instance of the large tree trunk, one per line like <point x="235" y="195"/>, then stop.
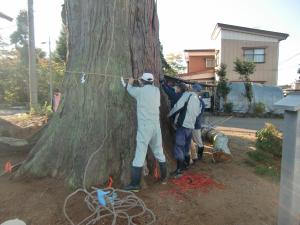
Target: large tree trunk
<point x="107" y="39"/>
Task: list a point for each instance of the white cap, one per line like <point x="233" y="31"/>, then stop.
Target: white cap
<point x="13" y="222"/>
<point x="147" y="77"/>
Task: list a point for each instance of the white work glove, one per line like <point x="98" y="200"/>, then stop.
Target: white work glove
<point x="123" y="82"/>
<point x="83" y="78"/>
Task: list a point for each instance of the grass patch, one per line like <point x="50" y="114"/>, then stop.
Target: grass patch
<point x="261" y="157"/>
<point x="270" y="171"/>
<point x="264" y="163"/>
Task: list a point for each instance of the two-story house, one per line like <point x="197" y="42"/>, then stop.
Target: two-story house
<point x="200" y="65"/>
<point x="258" y="46"/>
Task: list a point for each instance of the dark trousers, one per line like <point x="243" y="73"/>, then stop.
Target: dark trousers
<point x="183" y="140"/>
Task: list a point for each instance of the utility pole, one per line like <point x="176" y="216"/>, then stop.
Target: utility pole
<point x="50" y="72"/>
<point x="32" y="59"/>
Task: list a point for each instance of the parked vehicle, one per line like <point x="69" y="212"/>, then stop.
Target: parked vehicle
<point x="207" y="99"/>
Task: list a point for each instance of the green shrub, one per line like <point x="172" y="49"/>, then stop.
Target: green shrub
<point x="44" y="110"/>
<point x="228" y="107"/>
<point x="223" y="88"/>
<point x="259" y="108"/>
<point x="269" y="140"/>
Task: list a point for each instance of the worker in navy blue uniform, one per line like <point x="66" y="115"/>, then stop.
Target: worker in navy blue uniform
<point x="186" y="111"/>
<point x="174" y="93"/>
<point x="197" y="136"/>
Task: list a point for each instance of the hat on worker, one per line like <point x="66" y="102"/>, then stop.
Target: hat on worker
<point x="182" y="86"/>
<point x="197" y="87"/>
<point x="147" y="77"/>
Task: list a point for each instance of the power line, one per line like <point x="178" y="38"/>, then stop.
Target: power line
<point x="284" y="61"/>
<point x="2" y="28"/>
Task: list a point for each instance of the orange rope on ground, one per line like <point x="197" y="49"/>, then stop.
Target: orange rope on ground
<point x="110" y="182"/>
<point x="191" y="181"/>
<point x="8" y="167"/>
<point x="156" y="174"/>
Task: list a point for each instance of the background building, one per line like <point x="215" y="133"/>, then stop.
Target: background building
<point x="258" y="46"/>
<point x="232" y="42"/>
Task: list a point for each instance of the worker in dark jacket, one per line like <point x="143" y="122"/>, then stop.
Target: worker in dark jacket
<point x="197" y="136"/>
<point x="186" y="111"/>
<point x="174" y="93"/>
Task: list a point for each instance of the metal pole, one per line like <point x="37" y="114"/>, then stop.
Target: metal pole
<point x="50" y="73"/>
<point x="289" y="200"/>
<point x="32" y="59"/>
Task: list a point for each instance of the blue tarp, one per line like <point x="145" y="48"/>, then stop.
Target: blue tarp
<point x="266" y="94"/>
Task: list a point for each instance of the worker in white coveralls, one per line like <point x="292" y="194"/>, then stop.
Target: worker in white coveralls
<point x="148" y="132"/>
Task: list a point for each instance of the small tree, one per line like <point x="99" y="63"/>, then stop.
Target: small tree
<point x="20" y="37"/>
<point x="245" y="69"/>
<point x="60" y="54"/>
<point x="222" y="88"/>
<point x="176" y="62"/>
<point x="166" y="68"/>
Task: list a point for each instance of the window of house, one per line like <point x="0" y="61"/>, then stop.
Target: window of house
<point x="210" y="63"/>
<point x="217" y="60"/>
<point x="256" y="55"/>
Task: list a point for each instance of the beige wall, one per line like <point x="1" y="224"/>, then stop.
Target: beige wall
<point x="297" y="85"/>
<point x="268" y="71"/>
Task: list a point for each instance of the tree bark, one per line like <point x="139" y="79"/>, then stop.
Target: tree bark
<point x="107" y="39"/>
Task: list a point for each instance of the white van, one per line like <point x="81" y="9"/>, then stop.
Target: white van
<point x="206" y="99"/>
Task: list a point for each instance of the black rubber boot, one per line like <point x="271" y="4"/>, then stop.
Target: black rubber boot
<point x="163" y="172"/>
<point x="186" y="164"/>
<point x="134" y="185"/>
<point x="200" y="152"/>
<point x="178" y="172"/>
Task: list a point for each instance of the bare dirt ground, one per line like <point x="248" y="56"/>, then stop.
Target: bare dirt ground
<point x="245" y="199"/>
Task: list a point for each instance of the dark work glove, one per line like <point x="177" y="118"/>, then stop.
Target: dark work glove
<point x="161" y="79"/>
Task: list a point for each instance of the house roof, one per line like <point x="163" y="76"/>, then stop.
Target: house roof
<point x="210" y="71"/>
<point x="200" y="50"/>
<point x="253" y="81"/>
<point x="4" y="16"/>
<point x="207" y="75"/>
<point x="178" y="79"/>
<point x="222" y="26"/>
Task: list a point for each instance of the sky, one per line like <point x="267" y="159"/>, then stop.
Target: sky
<point x="187" y="24"/>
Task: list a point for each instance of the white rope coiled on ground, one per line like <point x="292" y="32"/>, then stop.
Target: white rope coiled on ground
<point x="123" y="207"/>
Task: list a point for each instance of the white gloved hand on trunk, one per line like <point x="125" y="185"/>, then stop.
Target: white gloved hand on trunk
<point x="123" y="82"/>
